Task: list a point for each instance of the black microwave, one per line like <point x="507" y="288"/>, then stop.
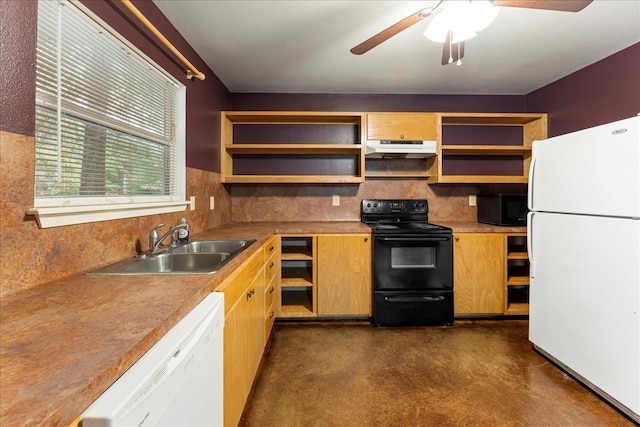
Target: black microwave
<point x="502" y="209"/>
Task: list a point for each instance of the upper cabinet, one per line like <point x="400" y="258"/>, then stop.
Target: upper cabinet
<point x="402" y="127"/>
<point x="292" y="147"/>
<point x="487" y="147"/>
<point x="329" y="147"/>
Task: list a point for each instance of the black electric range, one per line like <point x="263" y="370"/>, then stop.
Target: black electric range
<point x="412" y="264"/>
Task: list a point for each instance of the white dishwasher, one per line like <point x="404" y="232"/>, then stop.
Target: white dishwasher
<point x="178" y="382"/>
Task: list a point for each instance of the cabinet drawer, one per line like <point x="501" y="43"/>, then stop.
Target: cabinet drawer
<point x="271" y="247"/>
<point x="236" y="284"/>
<point x="270" y="294"/>
<point x="269" y="319"/>
<point x="271" y="268"/>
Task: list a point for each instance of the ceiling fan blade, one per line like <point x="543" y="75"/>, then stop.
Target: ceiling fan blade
<point x="452" y="52"/>
<point x="560" y="5"/>
<point x="386" y="34"/>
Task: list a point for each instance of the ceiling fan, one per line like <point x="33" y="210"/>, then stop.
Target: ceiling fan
<point x="442" y="28"/>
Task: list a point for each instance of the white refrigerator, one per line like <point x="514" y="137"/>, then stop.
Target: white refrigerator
<point x="584" y="252"/>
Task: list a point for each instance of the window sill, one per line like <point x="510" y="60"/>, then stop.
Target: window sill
<point x="48" y="217"/>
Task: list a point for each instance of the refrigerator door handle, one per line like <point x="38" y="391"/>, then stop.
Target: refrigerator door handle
<point x="532" y="167"/>
<point x="532" y="268"/>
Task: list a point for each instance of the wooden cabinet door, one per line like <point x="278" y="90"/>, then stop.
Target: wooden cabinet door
<point x="243" y="336"/>
<point x="255" y="301"/>
<point x="402" y="126"/>
<point x="344" y="274"/>
<point x="478" y="281"/>
<point x="237" y="360"/>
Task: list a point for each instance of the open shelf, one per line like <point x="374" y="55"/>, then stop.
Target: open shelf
<point x="491" y="150"/>
<point x="292" y="147"/>
<point x="517" y="275"/>
<point x="297" y="302"/>
<point x="293" y="117"/>
<point x="490" y="119"/>
<point x="517" y="280"/>
<point x="488" y="147"/>
<point x="298" y="276"/>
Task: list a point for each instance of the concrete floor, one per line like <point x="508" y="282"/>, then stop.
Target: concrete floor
<point x="476" y="373"/>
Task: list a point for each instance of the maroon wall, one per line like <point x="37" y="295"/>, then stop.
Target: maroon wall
<point x="205" y="99"/>
<point x="603" y="92"/>
<point x="18" y="23"/>
<point x="361" y="102"/>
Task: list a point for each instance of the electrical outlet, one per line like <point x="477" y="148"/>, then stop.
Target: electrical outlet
<point x="192" y="201"/>
<point x="336" y="200"/>
<point x="472" y="199"/>
<point x="212" y="203"/>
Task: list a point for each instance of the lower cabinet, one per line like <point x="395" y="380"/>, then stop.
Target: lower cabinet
<point x="478" y="273"/>
<point x="517" y="268"/>
<point x="344" y="275"/>
<point x="491" y="274"/>
<point x="244" y="334"/>
<point x="326" y="275"/>
<point x="272" y="284"/>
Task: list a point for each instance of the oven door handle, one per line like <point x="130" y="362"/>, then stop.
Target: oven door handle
<point x="421" y="298"/>
<point x="414" y="239"/>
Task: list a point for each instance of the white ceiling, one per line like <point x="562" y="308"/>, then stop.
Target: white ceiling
<point x="303" y="46"/>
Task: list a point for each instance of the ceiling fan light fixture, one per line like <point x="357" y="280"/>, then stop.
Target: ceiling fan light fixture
<point x="463" y="18"/>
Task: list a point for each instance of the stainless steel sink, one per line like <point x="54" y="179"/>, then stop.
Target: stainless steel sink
<point x="177" y="263"/>
<point x="213" y="246"/>
<point x="197" y="257"/>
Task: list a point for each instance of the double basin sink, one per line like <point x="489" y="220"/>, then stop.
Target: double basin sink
<point x="197" y="257"/>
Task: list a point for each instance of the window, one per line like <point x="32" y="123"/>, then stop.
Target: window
<point x="109" y="124"/>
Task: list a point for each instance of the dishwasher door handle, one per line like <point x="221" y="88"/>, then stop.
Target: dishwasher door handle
<point x="420" y="298"/>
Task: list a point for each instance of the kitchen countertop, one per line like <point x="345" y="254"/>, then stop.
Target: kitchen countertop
<point x="63" y="344"/>
<point x="476" y="227"/>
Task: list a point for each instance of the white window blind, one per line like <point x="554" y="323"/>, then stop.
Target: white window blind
<point x="109" y="122"/>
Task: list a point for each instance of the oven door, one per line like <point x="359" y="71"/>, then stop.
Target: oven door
<point x="411" y="262"/>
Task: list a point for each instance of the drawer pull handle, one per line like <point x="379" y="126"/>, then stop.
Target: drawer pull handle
<point x="271" y="315"/>
<point x="271" y="265"/>
<point x="271" y="249"/>
<point x="251" y="292"/>
<point x="272" y="289"/>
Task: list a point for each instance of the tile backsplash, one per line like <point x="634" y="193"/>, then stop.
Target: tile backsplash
<point x="314" y="203"/>
<point x="30" y="256"/>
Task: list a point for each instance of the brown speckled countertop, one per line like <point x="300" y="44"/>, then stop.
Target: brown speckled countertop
<point x="476" y="227"/>
<point x="65" y="343"/>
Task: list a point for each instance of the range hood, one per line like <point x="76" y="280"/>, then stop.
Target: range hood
<point x="390" y="149"/>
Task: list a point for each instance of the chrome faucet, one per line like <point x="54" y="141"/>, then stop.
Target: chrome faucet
<point x="155" y="241"/>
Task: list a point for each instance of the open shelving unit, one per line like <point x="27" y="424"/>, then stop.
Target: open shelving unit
<point x="517" y="274"/>
<point x="487" y="147"/>
<point x="299" y="276"/>
<point x="329" y="147"/>
<point x="292" y="147"/>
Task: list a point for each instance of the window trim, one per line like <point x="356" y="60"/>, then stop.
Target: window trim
<point x="62" y="211"/>
<point x="60" y="216"/>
